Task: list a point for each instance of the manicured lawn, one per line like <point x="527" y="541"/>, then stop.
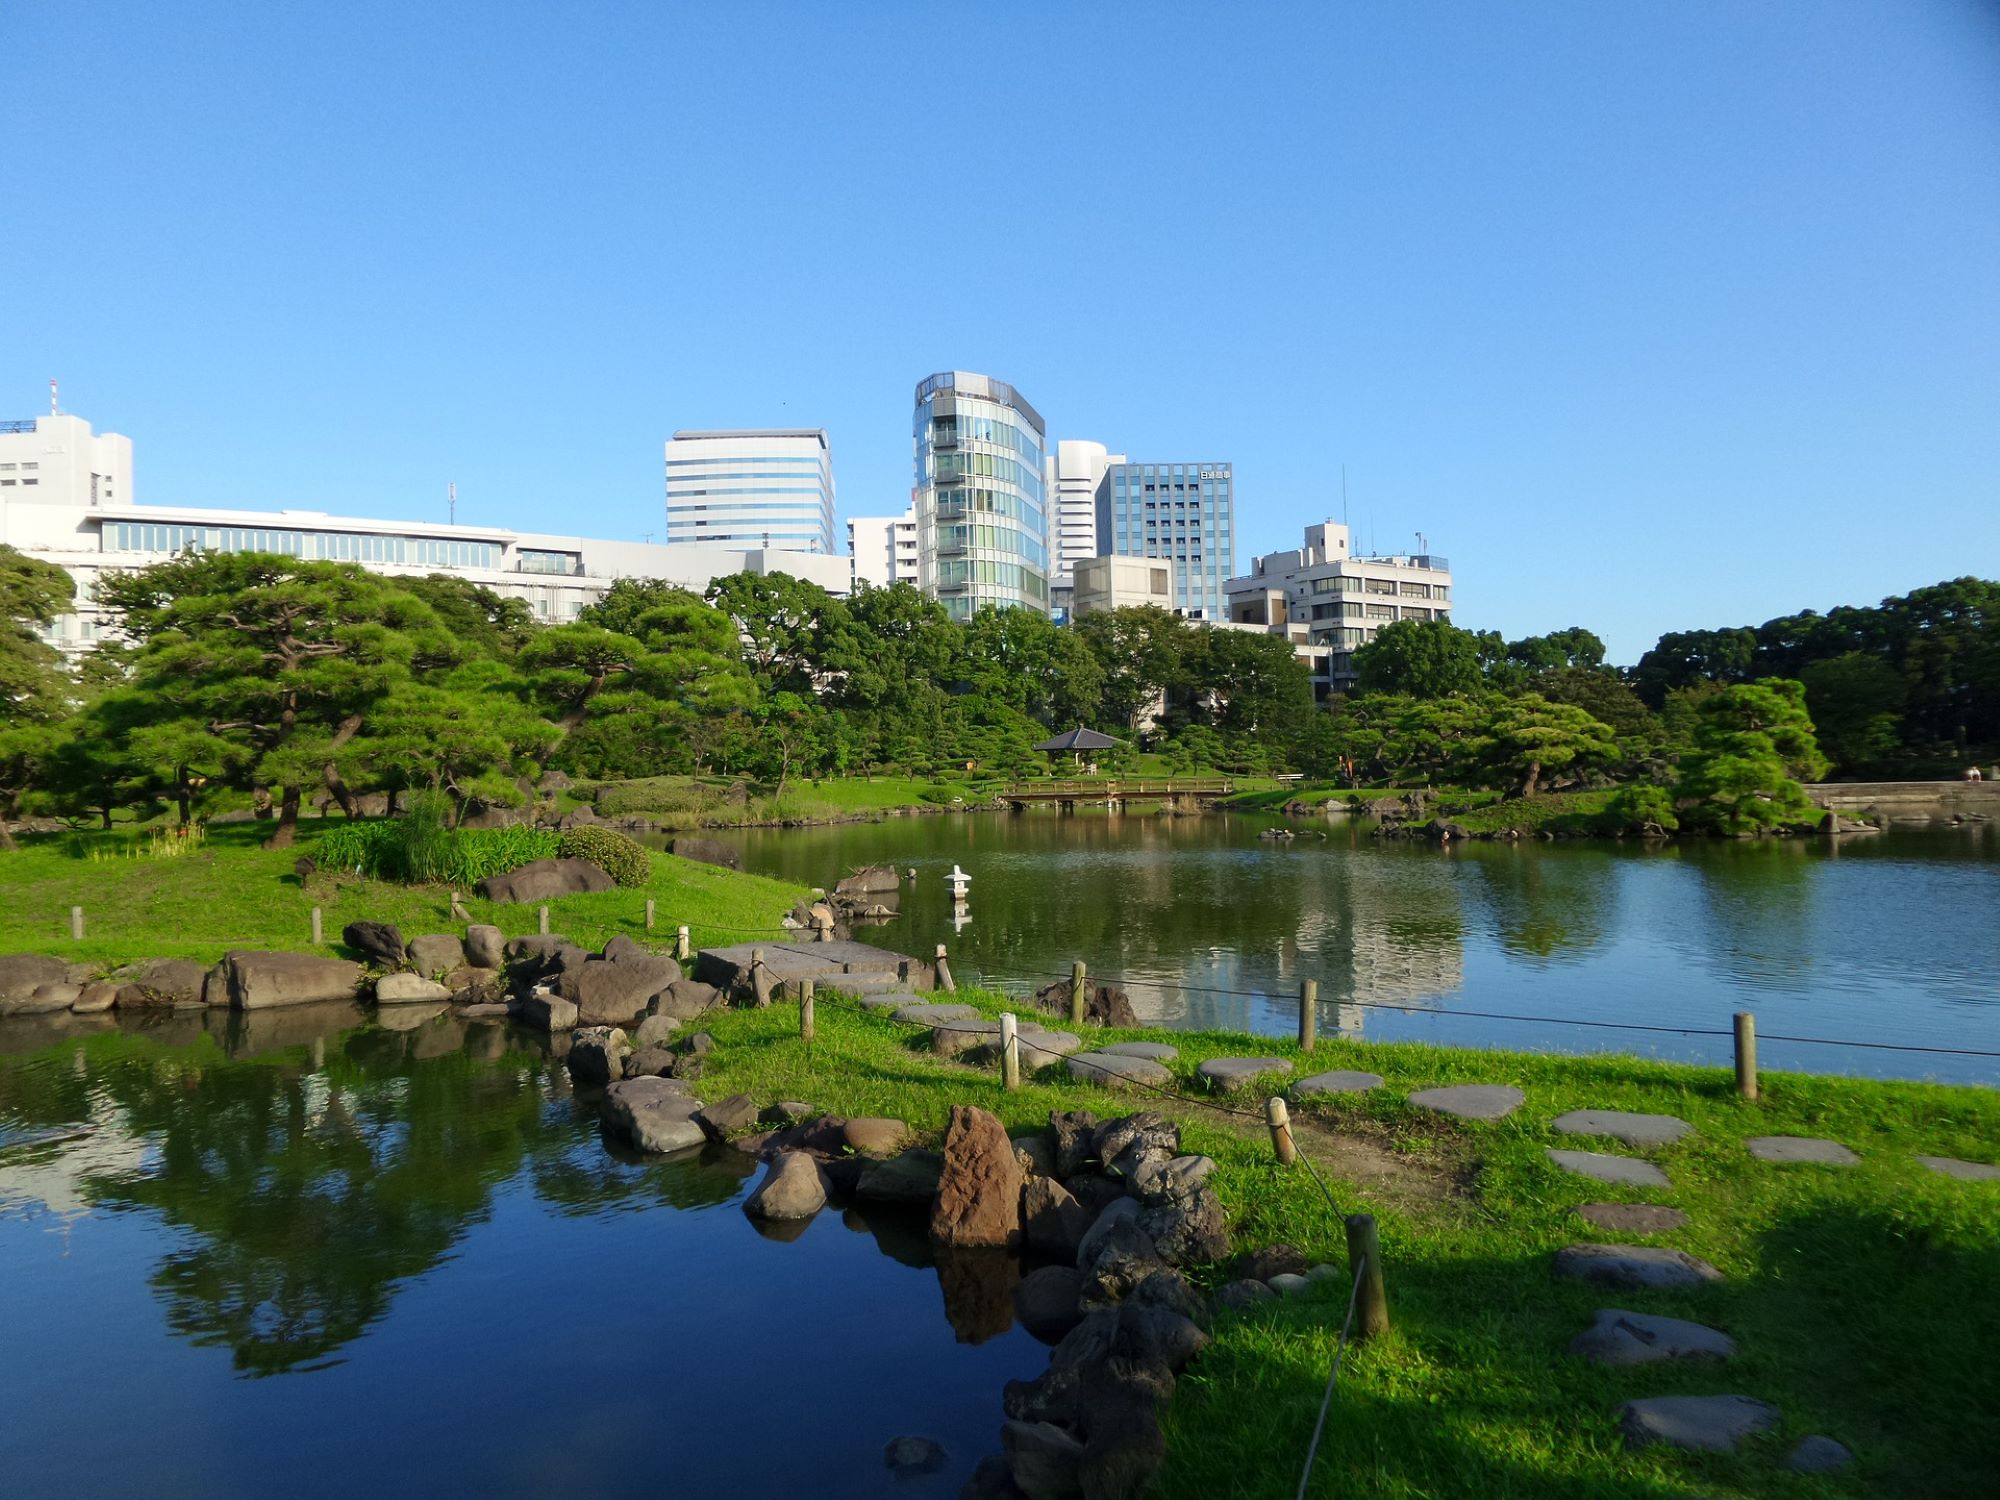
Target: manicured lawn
<point x="1861" y="1298"/>
<point x="232" y="894"/>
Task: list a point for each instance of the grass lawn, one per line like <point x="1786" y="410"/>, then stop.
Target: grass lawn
<point x="233" y="894"/>
<point x="1862" y="1299"/>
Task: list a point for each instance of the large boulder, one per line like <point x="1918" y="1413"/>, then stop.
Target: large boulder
<point x="21" y="974"/>
<point x="547" y="1012"/>
<point x="47" y="1000"/>
<point x="1055" y="1221"/>
<point x="380" y="943"/>
<point x="911" y="1177"/>
<point x="654" y="1114"/>
<point x="251" y="980"/>
<point x="707" y="851"/>
<point x="979" y="1191"/>
<point x="163" y="982"/>
<point x="1102" y="1004"/>
<point x="485" y="946"/>
<point x="792" y="1189"/>
<point x="544" y="880"/>
<point x="409" y="989"/>
<point x="1046" y="1301"/>
<point x="614" y="992"/>
<point x="685" y="999"/>
<point x="435" y="953"/>
<point x="597" y="1056"/>
<point x="872" y="880"/>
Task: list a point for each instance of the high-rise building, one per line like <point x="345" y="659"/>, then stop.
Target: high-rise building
<point x="882" y="549"/>
<point x="751" y="489"/>
<point x="1074" y="471"/>
<point x="1182" y="511"/>
<point x="982" y="516"/>
<point x="58" y="460"/>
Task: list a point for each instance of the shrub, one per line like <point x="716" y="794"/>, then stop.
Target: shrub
<point x="625" y="860"/>
<point x="421" y="848"/>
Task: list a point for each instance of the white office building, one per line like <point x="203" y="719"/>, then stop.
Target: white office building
<point x="557" y="575"/>
<point x="1322" y="596"/>
<point x="1075" y="469"/>
<point x="1105" y="583"/>
<point x="883" y="549"/>
<point x="751" y="489"/>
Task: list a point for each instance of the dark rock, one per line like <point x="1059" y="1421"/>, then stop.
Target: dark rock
<point x="871" y="880"/>
<point x="911" y="1177"/>
<point x="655" y="1031"/>
<point x="550" y="1013"/>
<point x="724" y="1119"/>
<point x="1094" y="1191"/>
<point x="1147" y="1130"/>
<point x="655" y="1114"/>
<point x="685" y="999"/>
<point x="1045" y="1460"/>
<point x="1701" y="1424"/>
<point x="1121" y="1210"/>
<point x="253" y="980"/>
<point x="1046" y="1302"/>
<point x="650" y="1062"/>
<point x="707" y="851"/>
<point x="979" y="1193"/>
<point x="176" y="982"/>
<point x="1102" y="1004"/>
<point x="1148" y="1334"/>
<point x="485" y="946"/>
<point x="1054" y="1221"/>
<point x="1633" y="1218"/>
<point x="623" y="947"/>
<point x="788" y="1112"/>
<point x="1619" y="1337"/>
<point x="380" y="943"/>
<point x="545" y="880"/>
<point x="1191" y="1233"/>
<point x="992" y="1480"/>
<point x="1633" y="1266"/>
<point x="914" y="1455"/>
<point x="877" y="1137"/>
<point x="1818" y="1454"/>
<point x="597" y="1056"/>
<point x="1125" y="1447"/>
<point x="1122" y="1259"/>
<point x="611" y="993"/>
<point x="1036" y="1154"/>
<point x="698" y="1045"/>
<point x="1170" y="1289"/>
<point x="1242" y="1294"/>
<point x="1075" y="1133"/>
<point x="435" y="953"/>
<point x="791" y="1189"/>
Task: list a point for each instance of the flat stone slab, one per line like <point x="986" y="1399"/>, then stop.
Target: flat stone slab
<point x="930" y="1012"/>
<point x="978" y="1041"/>
<point x="1337" y="1082"/>
<point x="823" y="963"/>
<point x="1818" y="1454"/>
<point x="1619" y="1337"/>
<point x="1964" y="1171"/>
<point x="1239" y="1072"/>
<point x="1112" y="1070"/>
<point x="1633" y="1266"/>
<point x="1800" y="1148"/>
<point x="1633" y="1130"/>
<point x="1702" y="1424"/>
<point x="1472" y="1101"/>
<point x="1157" y="1051"/>
<point x="1633" y="1218"/>
<point x="1599" y="1166"/>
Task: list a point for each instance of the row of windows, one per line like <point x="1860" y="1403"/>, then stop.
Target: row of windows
<point x="9" y="468"/>
<point x="549" y="562"/>
<point x="24" y="481"/>
<point x="676" y="483"/>
<point x="311" y="546"/>
<point x="789" y="507"/>
<point x="1353" y="584"/>
<point x="1022" y="580"/>
<point x="993" y="539"/>
<point x="805" y="461"/>
<point x="949" y="464"/>
<point x="954" y="503"/>
<point x="984" y="422"/>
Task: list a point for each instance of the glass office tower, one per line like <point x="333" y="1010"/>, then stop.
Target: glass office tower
<point x="751" y="488"/>
<point x="982" y="514"/>
<point x="1182" y="511"/>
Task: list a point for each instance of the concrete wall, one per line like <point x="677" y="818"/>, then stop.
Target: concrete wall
<point x="1927" y="800"/>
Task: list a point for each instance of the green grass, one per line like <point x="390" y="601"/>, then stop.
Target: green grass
<point x="1552" y="812"/>
<point x="1862" y="1299"/>
<point x="233" y="894"/>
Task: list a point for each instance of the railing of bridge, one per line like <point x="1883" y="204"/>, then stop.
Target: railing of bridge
<point x="1146" y="786"/>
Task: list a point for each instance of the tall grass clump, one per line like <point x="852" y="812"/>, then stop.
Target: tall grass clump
<point x="422" y="848"/>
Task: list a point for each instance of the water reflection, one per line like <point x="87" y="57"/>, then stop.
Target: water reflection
<point x="1543" y="907"/>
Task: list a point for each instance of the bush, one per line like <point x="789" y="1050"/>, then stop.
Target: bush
<point x="626" y="861"/>
<point x="421" y="848"/>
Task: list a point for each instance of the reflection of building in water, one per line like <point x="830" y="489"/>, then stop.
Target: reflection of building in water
<point x="46" y="1176"/>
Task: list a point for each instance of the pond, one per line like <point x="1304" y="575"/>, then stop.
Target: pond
<point x="1881" y="938"/>
<point x="315" y="1257"/>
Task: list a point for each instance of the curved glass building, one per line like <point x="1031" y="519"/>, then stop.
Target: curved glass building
<point x="981" y="502"/>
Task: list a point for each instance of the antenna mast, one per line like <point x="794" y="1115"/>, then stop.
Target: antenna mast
<point x="451" y="501"/>
<point x="54" y="410"/>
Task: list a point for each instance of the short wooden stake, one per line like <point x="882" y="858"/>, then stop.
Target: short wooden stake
<point x="1364" y="1263"/>
<point x="1010" y="1053"/>
<point x="649" y="914"/>
<point x="805" y="1010"/>
<point x="319" y="935"/>
<point x="682" y="949"/>
<point x="76" y="923"/>
<point x="760" y="979"/>
<point x="1280" y="1120"/>
<point x="944" y="973"/>
<point x="1077" y="975"/>
<point x="543" y="920"/>
<point x="1746" y="1054"/>
<point x="1308" y="1012"/>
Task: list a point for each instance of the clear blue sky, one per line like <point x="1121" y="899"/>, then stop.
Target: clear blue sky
<point x="1648" y="315"/>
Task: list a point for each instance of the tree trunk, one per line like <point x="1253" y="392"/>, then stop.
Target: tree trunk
<point x="288" y="821"/>
<point x="105" y="813"/>
<point x="1533" y="780"/>
<point x="6" y="833"/>
<point x="330" y="773"/>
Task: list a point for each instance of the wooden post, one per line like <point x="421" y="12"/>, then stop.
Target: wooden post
<point x="319" y="935"/>
<point x="760" y="979"/>
<point x="1746" y="1054"/>
<point x="1364" y="1263"/>
<point x="1010" y="1053"/>
<point x="543" y="920"/>
<point x="1076" y="989"/>
<point x="649" y="914"/>
<point x="1308" y="1012"/>
<point x="76" y="923"/>
<point x="805" y="1010"/>
<point x="683" y="950"/>
<point x="1280" y="1121"/>
<point x="944" y="973"/>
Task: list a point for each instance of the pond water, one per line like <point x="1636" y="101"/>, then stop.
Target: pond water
<point x="1889" y="938"/>
<point x="313" y="1257"/>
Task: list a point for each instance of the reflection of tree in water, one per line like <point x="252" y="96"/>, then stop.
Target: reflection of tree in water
<point x="1546" y="902"/>
<point x="577" y="1170"/>
<point x="1759" y="897"/>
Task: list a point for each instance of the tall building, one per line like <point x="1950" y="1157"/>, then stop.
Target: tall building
<point x="1182" y="511"/>
<point x="58" y="460"/>
<point x="1112" y="582"/>
<point x="1332" y="599"/>
<point x="882" y="549"/>
<point x="982" y="517"/>
<point x="1074" y="472"/>
<point x="751" y="489"/>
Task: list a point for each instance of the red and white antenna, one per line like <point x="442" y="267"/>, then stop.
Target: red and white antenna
<point x="54" y="410"/>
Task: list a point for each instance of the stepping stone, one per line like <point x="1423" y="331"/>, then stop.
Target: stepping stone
<point x="1619" y="1337"/>
<point x="1964" y="1171"/>
<point x="1472" y="1101"/>
<point x="1702" y="1424"/>
<point x="1239" y="1072"/>
<point x="881" y="1002"/>
<point x="1633" y="1218"/>
<point x="1039" y="1048"/>
<point x="930" y="1012"/>
<point x="1157" y="1051"/>
<point x="1633" y="1130"/>
<point x="1818" y="1454"/>
<point x="1633" y="1266"/>
<point x="1336" y="1083"/>
<point x="1601" y="1167"/>
<point x="1112" y="1071"/>
<point x="1800" y="1148"/>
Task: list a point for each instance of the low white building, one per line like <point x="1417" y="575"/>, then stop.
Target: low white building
<point x="58" y="460"/>
<point x="883" y="549"/>
<point x="557" y="575"/>
<point x="1121" y="583"/>
<point x="1323" y="597"/>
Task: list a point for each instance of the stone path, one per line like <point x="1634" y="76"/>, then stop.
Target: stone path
<point x="1964" y="1171"/>
<point x="1156" y="1051"/>
<point x="1117" y="1070"/>
<point x="1471" y="1101"/>
<point x="1619" y="1337"/>
<point x="1792" y="1149"/>
<point x="1633" y="1130"/>
<point x="1600" y="1167"/>
<point x="930" y="1012"/>
<point x="1337" y="1082"/>
<point x="1634" y="1266"/>
<point x="1633" y="1218"/>
<point x="1239" y="1072"/>
<point x="1704" y="1424"/>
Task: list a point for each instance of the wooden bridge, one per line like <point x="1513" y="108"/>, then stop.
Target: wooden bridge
<point x="1066" y="796"/>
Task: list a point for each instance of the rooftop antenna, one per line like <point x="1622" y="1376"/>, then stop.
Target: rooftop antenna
<point x="451" y="501"/>
<point x="54" y="410"/>
<point x="1422" y="549"/>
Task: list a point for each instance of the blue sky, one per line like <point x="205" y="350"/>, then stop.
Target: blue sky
<point x="1649" y="316"/>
